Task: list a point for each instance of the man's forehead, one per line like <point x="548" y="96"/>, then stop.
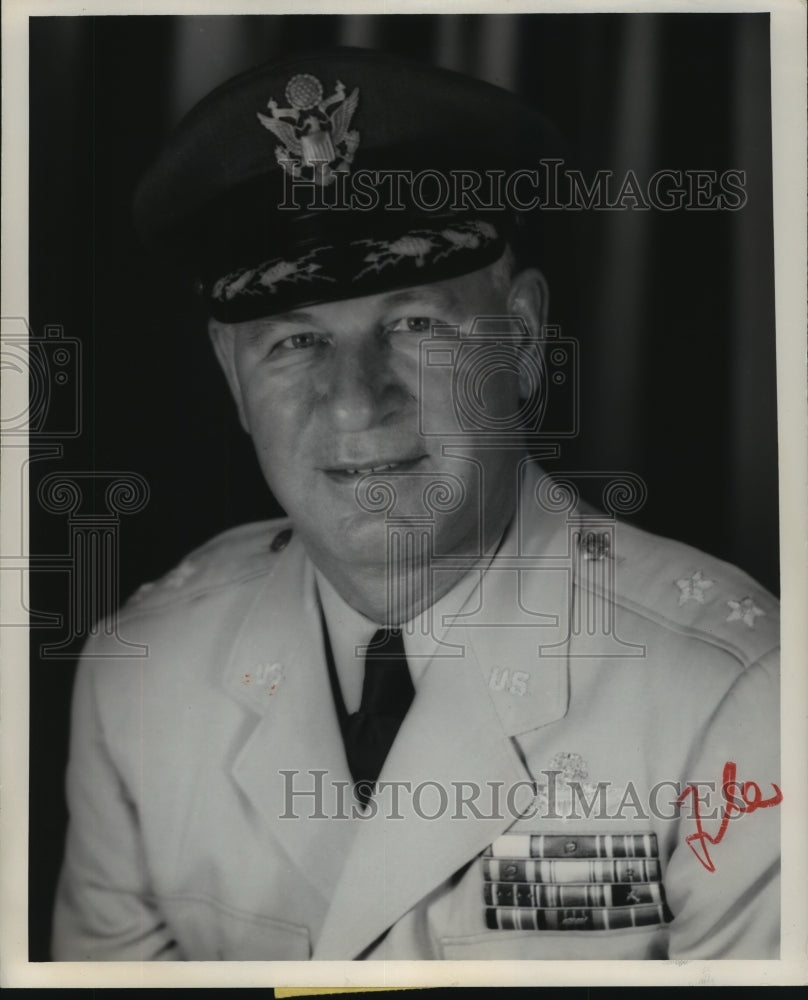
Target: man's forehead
<point x="440" y="294"/>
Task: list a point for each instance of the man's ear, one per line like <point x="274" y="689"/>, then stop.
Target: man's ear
<point x="223" y="337"/>
<point x="528" y="298"/>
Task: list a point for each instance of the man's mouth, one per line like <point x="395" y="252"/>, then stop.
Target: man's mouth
<point x="350" y="472"/>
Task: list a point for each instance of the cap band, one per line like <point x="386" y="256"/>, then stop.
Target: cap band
<point x="337" y="271"/>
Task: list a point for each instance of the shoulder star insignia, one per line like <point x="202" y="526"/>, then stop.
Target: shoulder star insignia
<point x="142" y="591"/>
<point x="178" y="576"/>
<point x="745" y="611"/>
<point x="692" y="589"/>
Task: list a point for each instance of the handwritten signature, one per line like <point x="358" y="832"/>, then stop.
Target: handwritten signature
<point x="746" y="798"/>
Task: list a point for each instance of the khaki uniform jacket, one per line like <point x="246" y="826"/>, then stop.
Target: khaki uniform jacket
<point x="211" y="813"/>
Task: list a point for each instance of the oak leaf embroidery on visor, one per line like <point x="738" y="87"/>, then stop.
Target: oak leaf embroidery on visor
<point x="425" y="246"/>
<point x="268" y="275"/>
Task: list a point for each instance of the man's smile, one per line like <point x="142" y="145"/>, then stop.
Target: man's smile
<point x="350" y="471"/>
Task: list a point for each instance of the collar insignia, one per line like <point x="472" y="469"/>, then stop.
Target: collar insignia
<point x="317" y="141"/>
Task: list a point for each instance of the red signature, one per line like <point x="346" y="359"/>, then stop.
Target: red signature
<point x="747" y="799"/>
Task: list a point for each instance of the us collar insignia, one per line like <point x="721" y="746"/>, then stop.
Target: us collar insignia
<point x="317" y="140"/>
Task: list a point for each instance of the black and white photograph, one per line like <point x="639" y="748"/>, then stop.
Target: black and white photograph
<point x="400" y="493"/>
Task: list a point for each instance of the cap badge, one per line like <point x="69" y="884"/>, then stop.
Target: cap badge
<point x="317" y="140"/>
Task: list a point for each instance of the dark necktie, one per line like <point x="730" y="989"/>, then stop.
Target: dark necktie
<point x="387" y="694"/>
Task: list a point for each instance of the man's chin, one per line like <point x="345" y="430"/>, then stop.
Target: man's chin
<point x="357" y="540"/>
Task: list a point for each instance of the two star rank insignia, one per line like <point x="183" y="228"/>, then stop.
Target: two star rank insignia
<point x="694" y="588"/>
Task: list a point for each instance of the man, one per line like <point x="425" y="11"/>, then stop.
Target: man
<point x="443" y="710"/>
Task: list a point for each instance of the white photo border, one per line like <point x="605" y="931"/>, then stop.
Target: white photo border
<point x="788" y="24"/>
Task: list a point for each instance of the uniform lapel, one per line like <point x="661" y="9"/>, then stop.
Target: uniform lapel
<point x="518" y="622"/>
<point x="451" y="734"/>
<point x="277" y="669"/>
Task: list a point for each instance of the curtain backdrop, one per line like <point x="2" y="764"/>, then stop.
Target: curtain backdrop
<point x="673" y="311"/>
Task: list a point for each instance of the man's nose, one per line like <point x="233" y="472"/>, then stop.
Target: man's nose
<point x="363" y="390"/>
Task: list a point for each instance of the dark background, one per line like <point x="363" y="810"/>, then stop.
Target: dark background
<point x="673" y="311"/>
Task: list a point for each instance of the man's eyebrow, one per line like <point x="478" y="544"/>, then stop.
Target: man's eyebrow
<point x="296" y="316"/>
<point x="258" y="328"/>
<point x="443" y="297"/>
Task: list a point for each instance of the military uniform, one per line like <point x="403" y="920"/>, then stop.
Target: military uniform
<point x="568" y="686"/>
<point x="189" y="841"/>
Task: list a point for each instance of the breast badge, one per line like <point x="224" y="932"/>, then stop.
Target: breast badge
<point x="581" y="882"/>
<point x="576" y="881"/>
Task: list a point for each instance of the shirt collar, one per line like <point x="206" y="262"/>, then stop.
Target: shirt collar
<point x="350" y="631"/>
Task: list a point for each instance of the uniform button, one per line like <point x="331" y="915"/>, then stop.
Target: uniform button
<point x="281" y="540"/>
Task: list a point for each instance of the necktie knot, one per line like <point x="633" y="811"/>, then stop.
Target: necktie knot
<point x="387" y="687"/>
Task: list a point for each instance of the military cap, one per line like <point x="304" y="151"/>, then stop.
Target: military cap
<point x="336" y="174"/>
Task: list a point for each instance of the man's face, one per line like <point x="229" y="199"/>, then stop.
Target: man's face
<point x="337" y="398"/>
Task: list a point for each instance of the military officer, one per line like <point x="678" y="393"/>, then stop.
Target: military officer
<point x="444" y="709"/>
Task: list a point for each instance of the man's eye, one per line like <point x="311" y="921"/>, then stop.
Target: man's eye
<point x="298" y="342"/>
<point x="412" y="324"/>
